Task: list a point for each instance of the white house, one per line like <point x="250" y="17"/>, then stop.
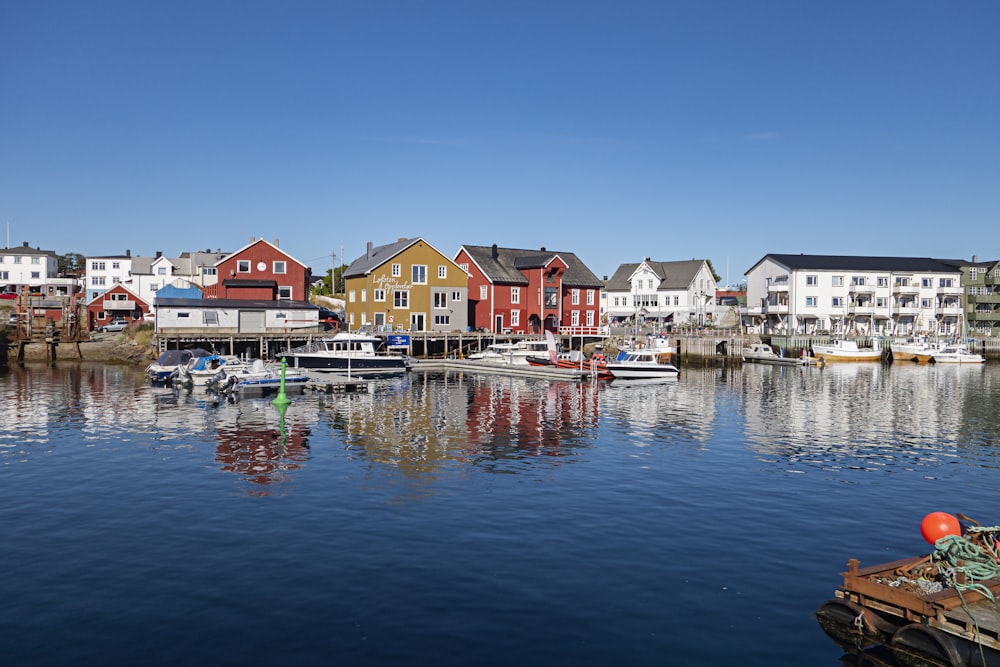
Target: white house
<point x="233" y="316"/>
<point x="900" y="296"/>
<point x="23" y="266"/>
<point x="664" y="293"/>
<point x="105" y="272"/>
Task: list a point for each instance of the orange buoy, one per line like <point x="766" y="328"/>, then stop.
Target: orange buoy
<point x="939" y="524"/>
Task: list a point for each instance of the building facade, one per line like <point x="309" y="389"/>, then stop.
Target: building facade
<point x="406" y="286"/>
<point x="981" y="281"/>
<point x="23" y="267"/>
<point x="664" y="294"/>
<point x="514" y="290"/>
<point x="113" y="303"/>
<point x="260" y="271"/>
<point x="829" y="294"/>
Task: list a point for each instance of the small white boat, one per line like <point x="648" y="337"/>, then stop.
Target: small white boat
<point x="511" y="354"/>
<point x="168" y="362"/>
<point x="258" y="379"/>
<point x="846" y="350"/>
<point x="957" y="353"/>
<point x="644" y="363"/>
<point x="762" y="353"/>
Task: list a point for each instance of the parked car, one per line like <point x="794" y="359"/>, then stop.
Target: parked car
<point x="8" y="295"/>
<point x="117" y="324"/>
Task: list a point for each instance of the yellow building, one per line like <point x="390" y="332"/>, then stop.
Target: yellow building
<point x="406" y="286"/>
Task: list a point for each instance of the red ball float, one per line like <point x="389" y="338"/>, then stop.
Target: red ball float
<point x="939" y="524"/>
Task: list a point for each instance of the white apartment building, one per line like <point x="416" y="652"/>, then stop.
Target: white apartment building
<point x="24" y="266"/>
<point x="145" y="275"/>
<point x="660" y="293"/>
<point x="819" y="294"/>
<point x="103" y="273"/>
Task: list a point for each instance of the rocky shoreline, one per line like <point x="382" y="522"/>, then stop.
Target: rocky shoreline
<point x="110" y="349"/>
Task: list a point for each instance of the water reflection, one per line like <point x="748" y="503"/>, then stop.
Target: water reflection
<point x="868" y="416"/>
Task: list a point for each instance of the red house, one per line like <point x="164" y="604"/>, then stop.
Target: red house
<point x="116" y="303"/>
<point x="527" y="291"/>
<point x="260" y="271"/>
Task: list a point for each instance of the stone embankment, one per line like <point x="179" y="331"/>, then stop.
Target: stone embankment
<point x="111" y="348"/>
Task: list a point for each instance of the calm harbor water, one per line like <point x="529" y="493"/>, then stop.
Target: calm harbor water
<point x="454" y="519"/>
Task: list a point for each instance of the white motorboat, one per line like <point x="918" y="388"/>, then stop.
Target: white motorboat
<point x="840" y="349"/>
<point x="644" y="363"/>
<point x="512" y="354"/>
<point x="762" y="353"/>
<point x="168" y="362"/>
<point x="258" y="379"/>
<point x="346" y="353"/>
<point x="957" y="353"/>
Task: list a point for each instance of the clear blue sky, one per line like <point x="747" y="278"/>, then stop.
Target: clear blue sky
<point x="616" y="130"/>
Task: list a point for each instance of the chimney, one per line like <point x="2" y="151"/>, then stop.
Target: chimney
<point x="495" y="253"/>
<point x="275" y="243"/>
<point x="252" y="239"/>
<point x="975" y="259"/>
<point x="368" y="254"/>
<point x="543" y="248"/>
<point x="25" y="244"/>
<point x="159" y="254"/>
<point x="128" y="252"/>
<point x="400" y="239"/>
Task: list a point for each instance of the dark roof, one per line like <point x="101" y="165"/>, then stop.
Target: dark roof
<point x="236" y="304"/>
<point x="237" y="282"/>
<point x="375" y="256"/>
<point x="862" y="263"/>
<point x="672" y="275"/>
<point x="504" y="268"/>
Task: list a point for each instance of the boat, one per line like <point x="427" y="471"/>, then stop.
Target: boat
<point x="762" y="353"/>
<point x="346" y="353"/>
<point x="258" y="379"/>
<point x="200" y="371"/>
<point x="934" y="609"/>
<point x="511" y="354"/>
<point x="840" y="349"/>
<point x="917" y="349"/>
<point x="167" y="363"/>
<point x="642" y="363"/>
<point x="956" y="353"/>
<point x="574" y="360"/>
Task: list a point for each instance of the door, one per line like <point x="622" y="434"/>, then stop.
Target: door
<point x="416" y="321"/>
<point x="252" y="321"/>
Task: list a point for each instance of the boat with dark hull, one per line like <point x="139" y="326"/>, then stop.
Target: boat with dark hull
<point x="346" y="353"/>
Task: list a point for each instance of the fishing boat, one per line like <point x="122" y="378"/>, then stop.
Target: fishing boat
<point x="956" y="353"/>
<point x="840" y="349"/>
<point x="934" y="609"/>
<point x="346" y="353"/>
<point x="762" y="353"/>
<point x="642" y="363"/>
<point x="917" y="349"/>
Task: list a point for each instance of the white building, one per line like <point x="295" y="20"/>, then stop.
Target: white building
<point x="103" y="273"/>
<point x="23" y="266"/>
<point x="145" y="275"/>
<point x="664" y="293"/>
<point x="809" y="294"/>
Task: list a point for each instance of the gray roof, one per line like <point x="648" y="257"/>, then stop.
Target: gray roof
<point x="507" y="265"/>
<point x="376" y="256"/>
<point x="24" y="249"/>
<point x="863" y="263"/>
<point x="672" y="275"/>
<point x="236" y="303"/>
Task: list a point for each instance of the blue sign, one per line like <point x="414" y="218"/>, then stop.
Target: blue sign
<point x="399" y="341"/>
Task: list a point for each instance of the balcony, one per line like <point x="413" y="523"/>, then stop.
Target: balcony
<point x="984" y="298"/>
<point x="115" y="304"/>
<point x="949" y="291"/>
<point x="777" y="284"/>
<point x="861" y="309"/>
<point x="862" y="289"/>
<point x="776" y="309"/>
<point x="905" y="289"/>
<point x="906" y="310"/>
<point x="948" y="310"/>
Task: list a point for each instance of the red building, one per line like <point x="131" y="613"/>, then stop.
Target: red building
<point x="260" y="271"/>
<point x="527" y="291"/>
<point x="116" y="303"/>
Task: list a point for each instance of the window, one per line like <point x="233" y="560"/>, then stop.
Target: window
<point x="590" y="318"/>
<point x="837" y="281"/>
<point x="882" y="281"/>
<point x="36" y="260"/>
<point x="442" y="272"/>
<point x="419" y="273"/>
<point x="551" y="297"/>
<point x="4" y="275"/>
<point x="280" y="266"/>
<point x="154" y="288"/>
<point x="210" y="317"/>
<point x="35" y="275"/>
<point x="881" y="302"/>
<point x="946" y="282"/>
<point x="677" y="300"/>
<point x="97" y="280"/>
<point x="456" y="296"/>
<point x="838" y="302"/>
<point x="115" y="280"/>
<point x="115" y="265"/>
<point x="926" y="303"/>
<point x="17" y="260"/>
<point x="440" y="300"/>
<point x="574" y="318"/>
<point x="378" y="295"/>
<point x="364" y="295"/>
<point x="812" y="280"/>
<point x="973" y="272"/>
<point x="649" y="284"/>
<point x="515" y="318"/>
<point x="442" y="319"/>
<point x="243" y="266"/>
<point x="401" y="298"/>
<point x="183" y="316"/>
<point x="810" y="302"/>
<point x="858" y="280"/>
<point x="397" y="270"/>
<point x="590" y="297"/>
<point x="927" y="282"/>
<point x="351" y="296"/>
<point x="574" y="297"/>
<point x="208" y="271"/>
<point x="97" y="266"/>
<point x="515" y="295"/>
<point x="284" y="293"/>
<point x="483" y="292"/>
<point x="161" y="271"/>
<point x="464" y="267"/>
